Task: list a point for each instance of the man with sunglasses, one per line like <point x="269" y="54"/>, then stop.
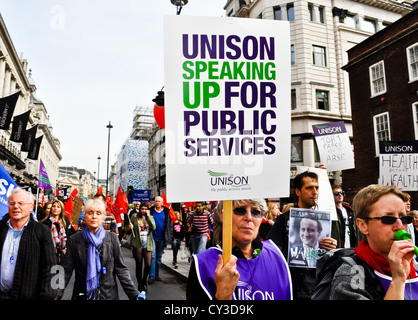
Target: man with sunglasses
<point x="344" y="228"/>
<point x="380" y="212"/>
<point x="256" y="270"/>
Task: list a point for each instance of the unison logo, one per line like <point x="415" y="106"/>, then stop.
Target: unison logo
<point x="227" y="179"/>
<point x="328" y="129"/>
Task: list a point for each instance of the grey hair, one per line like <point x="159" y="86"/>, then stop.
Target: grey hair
<point x="95" y="204"/>
<point x="259" y="203"/>
<point x="30" y="196"/>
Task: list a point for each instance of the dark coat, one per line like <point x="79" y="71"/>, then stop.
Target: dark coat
<point x="338" y="228"/>
<point x="35" y="260"/>
<point x="111" y="259"/>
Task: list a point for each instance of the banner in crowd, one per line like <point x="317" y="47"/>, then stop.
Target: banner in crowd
<point x="7" y="184"/>
<point x="306" y="229"/>
<point x="398" y="164"/>
<point x="43" y="181"/>
<point x="141" y="195"/>
<point x="227" y="108"/>
<point x="76" y="210"/>
<point x="334" y="146"/>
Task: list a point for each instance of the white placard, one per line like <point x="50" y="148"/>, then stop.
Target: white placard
<point x="334" y="146"/>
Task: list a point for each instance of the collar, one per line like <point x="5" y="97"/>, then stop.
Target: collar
<point x="10" y="225"/>
<point x="257" y="246"/>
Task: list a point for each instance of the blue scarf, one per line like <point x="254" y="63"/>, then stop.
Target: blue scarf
<point x="93" y="261"/>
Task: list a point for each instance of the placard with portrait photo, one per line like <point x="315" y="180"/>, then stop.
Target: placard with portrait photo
<point x="306" y="229"/>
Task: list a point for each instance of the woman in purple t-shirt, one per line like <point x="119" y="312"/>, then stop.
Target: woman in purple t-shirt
<point x="256" y="270"/>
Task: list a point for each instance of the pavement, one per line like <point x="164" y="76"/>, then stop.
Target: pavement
<point x="182" y="261"/>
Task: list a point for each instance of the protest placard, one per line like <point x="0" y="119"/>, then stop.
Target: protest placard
<point x="227" y="108"/>
<point x="334" y="146"/>
<point x="398" y="164"/>
<point x="306" y="229"/>
<point x="7" y="184"/>
<point x="77" y="208"/>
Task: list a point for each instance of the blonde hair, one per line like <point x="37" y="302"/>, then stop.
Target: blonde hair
<point x="270" y="206"/>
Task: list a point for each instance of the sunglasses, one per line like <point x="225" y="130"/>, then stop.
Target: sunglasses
<point x="339" y="193"/>
<point x="243" y="210"/>
<point x="392" y="219"/>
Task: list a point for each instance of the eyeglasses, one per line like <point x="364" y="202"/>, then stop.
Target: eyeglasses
<point x="20" y="203"/>
<point x="243" y="210"/>
<point x="392" y="219"/>
<point x="339" y="193"/>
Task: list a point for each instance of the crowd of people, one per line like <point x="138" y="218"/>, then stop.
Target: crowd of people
<point x="32" y="245"/>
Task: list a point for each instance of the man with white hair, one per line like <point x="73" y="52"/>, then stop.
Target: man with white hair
<point x="27" y="252"/>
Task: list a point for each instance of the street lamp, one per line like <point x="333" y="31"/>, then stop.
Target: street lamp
<point x="109" y="126"/>
<point x="179" y="4"/>
<point x="98" y="170"/>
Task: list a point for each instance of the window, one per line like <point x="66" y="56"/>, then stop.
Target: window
<point x="412" y="55"/>
<point x="319" y="56"/>
<point x="377" y="79"/>
<point x="369" y="25"/>
<point x="292" y="54"/>
<point x="350" y="21"/>
<point x="293" y="103"/>
<point x="296" y="151"/>
<point x="277" y="13"/>
<point x="316" y="13"/>
<point x="322" y="101"/>
<point x="415" y="117"/>
<point x="381" y="129"/>
<point x="290" y="12"/>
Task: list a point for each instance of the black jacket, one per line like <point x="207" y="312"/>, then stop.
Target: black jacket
<point x="338" y="228"/>
<point x="111" y="260"/>
<point x="35" y="260"/>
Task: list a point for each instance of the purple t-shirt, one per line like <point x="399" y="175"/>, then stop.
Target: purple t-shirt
<point x="266" y="277"/>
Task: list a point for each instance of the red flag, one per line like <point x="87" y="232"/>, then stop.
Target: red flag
<point x="99" y="190"/>
<point x="125" y="202"/>
<point x="167" y="205"/>
<point x="118" y="206"/>
<point x="69" y="205"/>
<point x="109" y="202"/>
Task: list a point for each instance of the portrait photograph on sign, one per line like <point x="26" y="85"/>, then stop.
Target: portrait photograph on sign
<point x="306" y="229"/>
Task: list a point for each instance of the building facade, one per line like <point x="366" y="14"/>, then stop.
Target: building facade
<point x="383" y="72"/>
<point x="14" y="78"/>
<point x="80" y="179"/>
<point x="321" y="32"/>
<point x="156" y="171"/>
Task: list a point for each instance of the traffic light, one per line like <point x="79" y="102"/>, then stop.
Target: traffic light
<point x="159" y="109"/>
<point x="159" y="99"/>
